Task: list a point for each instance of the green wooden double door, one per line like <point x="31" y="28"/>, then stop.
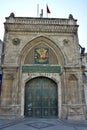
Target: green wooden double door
<point x="41" y="98"/>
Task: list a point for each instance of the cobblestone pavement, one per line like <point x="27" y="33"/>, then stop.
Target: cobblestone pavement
<point x="42" y="124"/>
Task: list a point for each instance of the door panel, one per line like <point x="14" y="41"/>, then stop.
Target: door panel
<point x="41" y="98"/>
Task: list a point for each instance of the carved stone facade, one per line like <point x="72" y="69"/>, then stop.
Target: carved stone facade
<point x="42" y="47"/>
<point x="1" y="46"/>
<point x="84" y="64"/>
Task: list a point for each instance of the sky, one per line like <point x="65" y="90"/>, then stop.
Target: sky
<point x="58" y="8"/>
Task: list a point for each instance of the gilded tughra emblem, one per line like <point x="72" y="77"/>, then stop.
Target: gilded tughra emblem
<point x="41" y="56"/>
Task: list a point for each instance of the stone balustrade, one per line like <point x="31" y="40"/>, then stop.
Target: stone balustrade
<point x="43" y="21"/>
<point x="38" y="24"/>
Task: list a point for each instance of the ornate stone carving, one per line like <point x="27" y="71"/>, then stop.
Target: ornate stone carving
<point x="41" y="25"/>
<point x="16" y="41"/>
<point x="12" y="15"/>
<point x="66" y="41"/>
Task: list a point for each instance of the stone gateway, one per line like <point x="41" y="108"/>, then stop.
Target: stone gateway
<point x="42" y="73"/>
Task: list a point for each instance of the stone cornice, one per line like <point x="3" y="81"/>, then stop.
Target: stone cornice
<point x="32" y="20"/>
<point x="10" y="66"/>
<point x="72" y="67"/>
<point x="56" y="25"/>
<point x="40" y="28"/>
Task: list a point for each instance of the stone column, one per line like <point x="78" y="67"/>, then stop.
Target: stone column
<point x="85" y="96"/>
<point x="85" y="92"/>
<point x="59" y="99"/>
<point x="6" y="95"/>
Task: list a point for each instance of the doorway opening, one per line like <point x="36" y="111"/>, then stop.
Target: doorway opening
<point x="41" y="98"/>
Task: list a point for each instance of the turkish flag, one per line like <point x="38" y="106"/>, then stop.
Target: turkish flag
<point x="48" y="11"/>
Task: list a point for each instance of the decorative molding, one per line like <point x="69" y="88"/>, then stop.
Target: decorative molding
<point x="38" y="21"/>
<point x="15" y="66"/>
<point x="42" y="28"/>
<point x="50" y="25"/>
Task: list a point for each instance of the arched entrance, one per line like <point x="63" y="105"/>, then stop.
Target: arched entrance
<point x="41" y="98"/>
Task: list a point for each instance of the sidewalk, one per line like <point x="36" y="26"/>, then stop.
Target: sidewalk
<point x="42" y="124"/>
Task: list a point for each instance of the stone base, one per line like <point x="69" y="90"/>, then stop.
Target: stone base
<point x="10" y="112"/>
<point x="76" y="117"/>
<point x="74" y="112"/>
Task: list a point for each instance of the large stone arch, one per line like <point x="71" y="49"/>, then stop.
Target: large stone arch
<point x="49" y="42"/>
<point x="24" y="77"/>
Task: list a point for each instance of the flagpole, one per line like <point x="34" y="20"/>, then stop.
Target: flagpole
<point x="46" y="12"/>
<point x="37" y="10"/>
